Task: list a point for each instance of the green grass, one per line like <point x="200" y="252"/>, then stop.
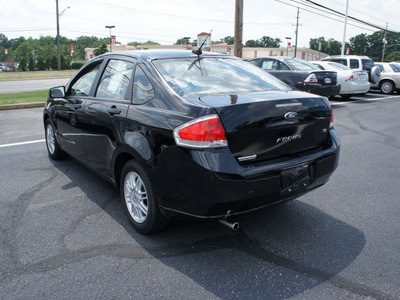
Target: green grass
<point x="26" y="97"/>
<point x="36" y="74"/>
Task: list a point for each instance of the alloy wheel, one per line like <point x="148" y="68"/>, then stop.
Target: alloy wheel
<point x="136" y="197"/>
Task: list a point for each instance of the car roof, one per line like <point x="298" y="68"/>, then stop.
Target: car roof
<point x="162" y="54"/>
<point x="347" y="56"/>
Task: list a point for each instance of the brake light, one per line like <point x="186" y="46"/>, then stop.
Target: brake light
<point x="204" y="132"/>
<point x="331" y="121"/>
<point x="351" y="78"/>
<point x="311" y="79"/>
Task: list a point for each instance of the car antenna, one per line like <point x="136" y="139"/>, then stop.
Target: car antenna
<point x="198" y="52"/>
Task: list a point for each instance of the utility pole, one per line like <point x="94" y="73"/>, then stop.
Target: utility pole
<point x="58" y="38"/>
<point x="297" y="32"/>
<point x="238" y="42"/>
<point x="345" y="27"/>
<point x="110" y="27"/>
<point x="384" y="43"/>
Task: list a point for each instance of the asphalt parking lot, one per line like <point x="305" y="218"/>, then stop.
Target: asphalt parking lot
<point x="64" y="234"/>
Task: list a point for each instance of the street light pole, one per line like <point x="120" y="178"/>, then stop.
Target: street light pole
<point x="58" y="38"/>
<point x="345" y="27"/>
<point x="110" y="27"/>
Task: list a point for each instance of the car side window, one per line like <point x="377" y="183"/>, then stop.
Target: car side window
<point x="283" y="66"/>
<point x="269" y="64"/>
<point x="255" y="61"/>
<point x="143" y="90"/>
<point x="83" y="85"/>
<point x="115" y="80"/>
<point x="354" y="64"/>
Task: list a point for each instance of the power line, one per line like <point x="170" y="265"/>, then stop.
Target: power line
<point x="313" y="12"/>
<point x="350" y="17"/>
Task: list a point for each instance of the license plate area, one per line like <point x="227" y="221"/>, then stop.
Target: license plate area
<point x="295" y="179"/>
<point x="327" y="80"/>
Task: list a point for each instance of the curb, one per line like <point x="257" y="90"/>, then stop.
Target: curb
<point x="21" y="105"/>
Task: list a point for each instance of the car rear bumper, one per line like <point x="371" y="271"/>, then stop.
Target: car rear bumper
<point x="350" y="88"/>
<point x="212" y="185"/>
<point x="319" y="89"/>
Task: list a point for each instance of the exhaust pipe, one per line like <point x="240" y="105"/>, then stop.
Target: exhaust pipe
<point x="232" y="225"/>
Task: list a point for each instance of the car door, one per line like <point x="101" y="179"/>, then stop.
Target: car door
<point x="69" y="116"/>
<point x="105" y="113"/>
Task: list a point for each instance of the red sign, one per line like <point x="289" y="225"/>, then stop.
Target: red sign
<point x="289" y="45"/>
<point x="185" y="45"/>
<point x="5" y="51"/>
<point x="72" y="49"/>
<point x="348" y="50"/>
<point x="113" y="39"/>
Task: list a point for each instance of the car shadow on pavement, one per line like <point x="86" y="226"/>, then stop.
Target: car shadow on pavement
<point x="278" y="252"/>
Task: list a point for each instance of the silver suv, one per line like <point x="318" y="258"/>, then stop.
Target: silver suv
<point x="358" y="63"/>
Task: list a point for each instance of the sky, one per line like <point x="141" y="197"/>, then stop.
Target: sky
<point x="165" y="21"/>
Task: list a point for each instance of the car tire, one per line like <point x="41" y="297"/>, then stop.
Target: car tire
<point x="139" y="199"/>
<point x="53" y="148"/>
<point x="387" y="87"/>
<point x="346" y="97"/>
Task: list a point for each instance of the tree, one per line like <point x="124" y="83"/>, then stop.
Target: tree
<point x="100" y="50"/>
<point x="53" y="63"/>
<point x="359" y="44"/>
<point x="40" y="64"/>
<point x="31" y="64"/>
<point x="252" y="43"/>
<point x="269" y="42"/>
<point x="22" y="64"/>
<point x="394" y="56"/>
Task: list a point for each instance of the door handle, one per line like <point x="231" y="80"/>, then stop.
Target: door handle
<point x="113" y="110"/>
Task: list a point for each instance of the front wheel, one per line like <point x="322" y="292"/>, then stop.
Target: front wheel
<point x="387" y="87"/>
<point x="140" y="201"/>
<point x="53" y="148"/>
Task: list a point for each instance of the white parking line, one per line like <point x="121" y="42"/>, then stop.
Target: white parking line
<point x="22" y="143"/>
<point x="380" y="98"/>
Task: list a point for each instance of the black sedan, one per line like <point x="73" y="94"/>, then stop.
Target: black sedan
<point x="199" y="135"/>
<point x="300" y="74"/>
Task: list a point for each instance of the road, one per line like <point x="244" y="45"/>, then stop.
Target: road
<point x="64" y="234"/>
<point x="27" y="85"/>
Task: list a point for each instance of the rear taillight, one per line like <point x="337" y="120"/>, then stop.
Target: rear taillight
<point x="204" y="132"/>
<point x="351" y="78"/>
<point x="311" y="79"/>
<point x="331" y="121"/>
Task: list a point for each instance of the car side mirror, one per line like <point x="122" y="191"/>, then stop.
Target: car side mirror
<point x="57" y="92"/>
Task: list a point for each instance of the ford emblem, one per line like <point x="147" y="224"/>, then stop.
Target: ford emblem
<point x="291" y="116"/>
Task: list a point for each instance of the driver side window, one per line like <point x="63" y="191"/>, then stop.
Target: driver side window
<point x="83" y="85"/>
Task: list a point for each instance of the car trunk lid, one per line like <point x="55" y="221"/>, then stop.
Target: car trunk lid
<point x="272" y="125"/>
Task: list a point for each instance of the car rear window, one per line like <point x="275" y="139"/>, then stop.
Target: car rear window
<point x="395" y="67"/>
<point x="190" y="77"/>
<point x="338" y="66"/>
<point x="298" y="64"/>
<point x="367" y="64"/>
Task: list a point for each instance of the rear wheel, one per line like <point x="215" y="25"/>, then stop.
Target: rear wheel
<point x="387" y="87"/>
<point x="53" y="148"/>
<point x="139" y="199"/>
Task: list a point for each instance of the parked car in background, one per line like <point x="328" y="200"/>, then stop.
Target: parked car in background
<point x="389" y="80"/>
<point x="300" y="74"/>
<point x="201" y="135"/>
<point x="352" y="82"/>
<point x="358" y="63"/>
